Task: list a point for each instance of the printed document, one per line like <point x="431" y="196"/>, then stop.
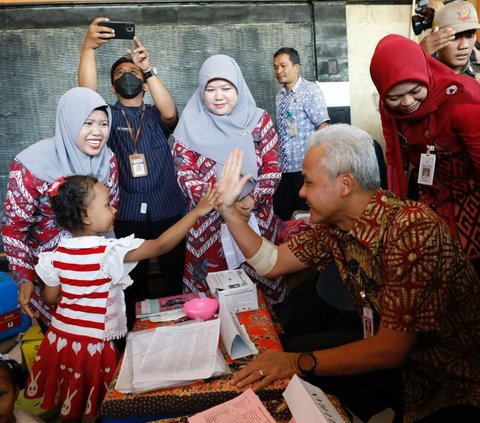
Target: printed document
<point x="182" y="352"/>
<point x="246" y="408"/>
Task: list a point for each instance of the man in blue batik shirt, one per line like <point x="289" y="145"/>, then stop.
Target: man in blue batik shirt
<point x="301" y="110"/>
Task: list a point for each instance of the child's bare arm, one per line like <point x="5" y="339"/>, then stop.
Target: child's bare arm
<point x="173" y="235"/>
<point x="51" y="293"/>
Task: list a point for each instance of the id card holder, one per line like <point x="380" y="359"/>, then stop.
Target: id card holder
<point x="427" y="167"/>
<point x="138" y="165"/>
<point x="292" y="126"/>
<point x="367" y="322"/>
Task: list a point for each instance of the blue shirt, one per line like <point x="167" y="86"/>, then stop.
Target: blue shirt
<point x="307" y="109"/>
<point x="157" y="195"/>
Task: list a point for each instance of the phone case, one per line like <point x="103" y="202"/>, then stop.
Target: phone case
<point x="123" y="30"/>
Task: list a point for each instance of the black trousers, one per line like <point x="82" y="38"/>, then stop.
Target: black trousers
<point x="286" y="199"/>
<point x="170" y="264"/>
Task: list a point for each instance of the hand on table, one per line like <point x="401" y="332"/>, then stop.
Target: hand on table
<point x="265" y="369"/>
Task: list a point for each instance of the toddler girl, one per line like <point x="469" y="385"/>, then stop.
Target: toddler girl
<point x="87" y="274"/>
<point x="10" y="378"/>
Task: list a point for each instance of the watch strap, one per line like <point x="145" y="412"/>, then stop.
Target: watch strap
<point x="150" y="73"/>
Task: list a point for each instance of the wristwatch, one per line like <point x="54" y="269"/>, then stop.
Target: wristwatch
<point x="307" y="362"/>
<point x="150" y="73"/>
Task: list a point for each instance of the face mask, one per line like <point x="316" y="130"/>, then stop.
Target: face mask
<point x="128" y="85"/>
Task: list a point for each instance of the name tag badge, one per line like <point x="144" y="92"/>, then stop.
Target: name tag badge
<point x="143" y="208"/>
<point x="293" y="128"/>
<point x="367" y="322"/>
<point x="138" y="165"/>
<point x="426" y="169"/>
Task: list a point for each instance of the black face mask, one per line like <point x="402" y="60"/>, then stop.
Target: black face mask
<point x="128" y="85"/>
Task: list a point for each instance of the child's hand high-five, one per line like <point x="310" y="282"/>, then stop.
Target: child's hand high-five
<point x="207" y="203"/>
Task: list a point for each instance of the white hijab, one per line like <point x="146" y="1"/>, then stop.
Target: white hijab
<point x="60" y="156"/>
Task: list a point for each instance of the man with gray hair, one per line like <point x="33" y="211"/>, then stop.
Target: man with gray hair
<point x="416" y="292"/>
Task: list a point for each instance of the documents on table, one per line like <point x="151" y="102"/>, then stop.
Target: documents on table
<point x="171" y="356"/>
<point x="308" y="403"/>
<point x="182" y="352"/>
<point x="246" y="408"/>
<point x="235" y="338"/>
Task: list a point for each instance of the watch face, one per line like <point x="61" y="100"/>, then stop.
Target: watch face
<point x="307" y="362"/>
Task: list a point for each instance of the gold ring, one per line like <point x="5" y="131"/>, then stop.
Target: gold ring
<point x="261" y="373"/>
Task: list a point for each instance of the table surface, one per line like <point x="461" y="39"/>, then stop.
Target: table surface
<point x="201" y="395"/>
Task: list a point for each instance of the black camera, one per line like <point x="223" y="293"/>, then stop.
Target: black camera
<point x="424" y="16"/>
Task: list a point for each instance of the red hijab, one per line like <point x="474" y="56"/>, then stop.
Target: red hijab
<point x="398" y="59"/>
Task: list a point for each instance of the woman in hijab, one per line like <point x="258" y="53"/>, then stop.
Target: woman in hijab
<point x="29" y="227"/>
<point x="430" y="119"/>
<point x="220" y="116"/>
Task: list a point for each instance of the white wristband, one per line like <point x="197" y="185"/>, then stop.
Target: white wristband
<point x="265" y="258"/>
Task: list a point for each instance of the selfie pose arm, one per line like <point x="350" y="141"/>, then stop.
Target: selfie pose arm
<point x="161" y="97"/>
<point x="96" y="36"/>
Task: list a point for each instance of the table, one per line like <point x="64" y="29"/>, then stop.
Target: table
<point x="201" y="395"/>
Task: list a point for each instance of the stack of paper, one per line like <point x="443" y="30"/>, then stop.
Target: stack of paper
<point x="171" y="356"/>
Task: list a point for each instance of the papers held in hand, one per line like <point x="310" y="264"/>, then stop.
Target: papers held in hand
<point x="234" y="288"/>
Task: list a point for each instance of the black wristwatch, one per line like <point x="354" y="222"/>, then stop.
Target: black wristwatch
<point x="150" y="73"/>
<point x="307" y="362"/>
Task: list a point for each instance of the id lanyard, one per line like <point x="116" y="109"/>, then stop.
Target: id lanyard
<point x="427" y="166"/>
<point x="138" y="164"/>
<point x="367" y="318"/>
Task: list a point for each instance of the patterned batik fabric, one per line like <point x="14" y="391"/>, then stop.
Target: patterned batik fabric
<point x="72" y="373"/>
<point x="417" y="279"/>
<point x="454" y="132"/>
<point x="204" y="251"/>
<point x="308" y="110"/>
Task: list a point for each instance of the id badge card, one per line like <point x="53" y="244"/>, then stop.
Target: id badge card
<point x="367" y="322"/>
<point x="293" y="128"/>
<point x="138" y="165"/>
<point x="426" y="169"/>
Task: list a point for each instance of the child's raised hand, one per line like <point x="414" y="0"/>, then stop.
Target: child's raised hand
<point x="207" y="203"/>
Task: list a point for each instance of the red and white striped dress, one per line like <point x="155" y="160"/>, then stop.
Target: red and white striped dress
<point x="76" y="360"/>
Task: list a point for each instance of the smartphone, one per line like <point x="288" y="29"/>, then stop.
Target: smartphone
<point x="123" y="30"/>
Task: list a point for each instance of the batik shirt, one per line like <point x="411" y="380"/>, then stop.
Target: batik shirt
<point x="416" y="279"/>
<point x="308" y="110"/>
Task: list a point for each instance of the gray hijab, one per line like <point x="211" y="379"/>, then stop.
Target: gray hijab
<point x="60" y="156"/>
<point x="215" y="136"/>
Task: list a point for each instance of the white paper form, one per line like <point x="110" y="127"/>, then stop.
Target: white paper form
<point x="246" y="408"/>
<point x="233" y="255"/>
<point x="125" y="377"/>
<point x="181" y="352"/>
<point x="309" y="403"/>
<point x="234" y="336"/>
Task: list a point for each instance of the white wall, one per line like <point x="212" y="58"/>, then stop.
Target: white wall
<point x="366" y="25"/>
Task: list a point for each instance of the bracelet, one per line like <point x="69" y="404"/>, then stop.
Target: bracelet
<point x="265" y="258"/>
